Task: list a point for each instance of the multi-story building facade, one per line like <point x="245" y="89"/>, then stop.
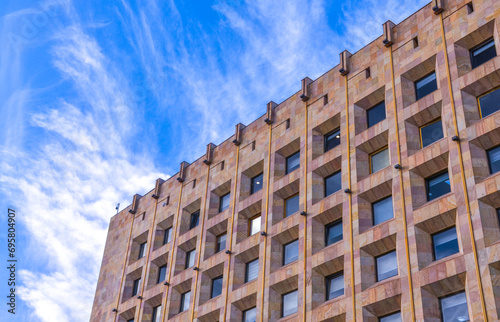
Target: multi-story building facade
<point x="372" y="194"/>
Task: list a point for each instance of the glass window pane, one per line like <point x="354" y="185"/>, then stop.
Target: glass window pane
<point x="425" y="85"/>
<point x="482" y="53"/>
<point x="216" y="286"/>
<point x="494" y="159"/>
<point x="137" y="285"/>
<point x="156" y="314"/>
<point x="375" y="114"/>
<point x="395" y="317"/>
<point x="290" y="303"/>
<point x="382" y="210"/>
<point x="224" y="202"/>
<point x="185" y="299"/>
<point x="431" y="133"/>
<point x="195" y="219"/>
<point x="490" y="103"/>
<point x="291" y="252"/>
<point x="250" y="315"/>
<point x="254" y="225"/>
<point x="252" y="270"/>
<point x="221" y="242"/>
<point x="162" y="271"/>
<point x="332" y="139"/>
<point x="379" y="160"/>
<point x="291" y="205"/>
<point x="142" y="250"/>
<point x="387" y="266"/>
<point x="438" y="185"/>
<point x="333" y="232"/>
<point x="293" y="162"/>
<point x="454" y="308"/>
<point x="334" y="286"/>
<point x="190" y="258"/>
<point x="445" y="243"/>
<point x="333" y="183"/>
<point x="256" y="183"/>
<point x="167" y="237"/>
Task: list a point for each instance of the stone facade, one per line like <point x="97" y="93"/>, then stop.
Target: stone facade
<point x="384" y="70"/>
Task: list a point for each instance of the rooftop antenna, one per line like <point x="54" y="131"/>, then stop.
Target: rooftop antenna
<point x="117" y="208"/>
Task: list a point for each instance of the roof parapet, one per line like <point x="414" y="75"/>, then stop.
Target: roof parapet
<point x="135" y="204"/>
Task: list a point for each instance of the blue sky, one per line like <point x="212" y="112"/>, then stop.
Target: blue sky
<point x="100" y="98"/>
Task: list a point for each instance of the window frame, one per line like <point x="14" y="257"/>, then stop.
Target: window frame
<point x="156" y="313"/>
<point x="188" y="258"/>
<point x="285" y="205"/>
<point x="252" y="183"/>
<point x="158" y="281"/>
<point x="441" y="311"/>
<point x="433" y="177"/>
<point x="247" y="265"/>
<point x="434" y="244"/>
<point x="217" y="243"/>
<point x="142" y="250"/>
<point x="244" y="313"/>
<point x="284" y="252"/>
<point x="183" y="300"/>
<point x="373" y="210"/>
<point x="372" y="108"/>
<point x="283" y="303"/>
<point x="287" y="170"/>
<point x="328" y="280"/>
<point x="193" y="215"/>
<point x="167" y="234"/>
<point x="489" y="159"/>
<point x="136" y="286"/>
<point x="376" y="266"/>
<point x="478" y="46"/>
<point x="370" y="163"/>
<point x="221" y="277"/>
<point x="220" y="202"/>
<point x="417" y="98"/>
<point x="250" y="224"/>
<point x="325" y="180"/>
<point x="390" y="314"/>
<point x="331" y="225"/>
<point x="427" y="124"/>
<point x="325" y="139"/>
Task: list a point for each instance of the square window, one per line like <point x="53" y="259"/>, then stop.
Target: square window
<point x="332" y="139"/>
<point x="156" y="314"/>
<point x="333" y="183"/>
<point x="162" y="273"/>
<point x="333" y="232"/>
<point x="334" y="285"/>
<point x="454" y="308"/>
<point x="494" y="159"/>
<point x="431" y="133"/>
<point x="482" y="53"/>
<point x="224" y="202"/>
<point x="425" y="85"/>
<point x="185" y="299"/>
<point x="289" y="303"/>
<point x="445" y="243"/>
<point x="379" y="160"/>
<point x="252" y="270"/>
<point x="142" y="250"/>
<point x="256" y="183"/>
<point x="254" y="225"/>
<point x="437" y="185"/>
<point x="195" y="219"/>
<point x="387" y="266"/>
<point x="291" y="252"/>
<point x="250" y="315"/>
<point x="216" y="287"/>
<point x="137" y="285"/>
<point x="393" y="317"/>
<point x="221" y="242"/>
<point x="292" y="162"/>
<point x="291" y="205"/>
<point x="375" y="114"/>
<point x="167" y="237"/>
<point x="190" y="258"/>
<point x="382" y="210"/>
<point x="488" y="103"/>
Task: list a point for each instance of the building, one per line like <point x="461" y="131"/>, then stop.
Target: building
<point x="372" y="194"/>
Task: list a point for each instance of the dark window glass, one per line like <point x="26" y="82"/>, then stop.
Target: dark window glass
<point x="221" y="242"/>
<point x="394" y="317"/>
<point x="290" y="303"/>
<point x="252" y="270"/>
<point x="382" y="210"/>
<point x="167" y="237"/>
<point x="494" y="159"/>
<point x="425" y="85"/>
<point x="431" y="133"/>
<point x="142" y="250"/>
<point x="185" y="299"/>
<point x="437" y="185"/>
<point x="254" y="225"/>
<point x="454" y="308"/>
<point x="256" y="183"/>
<point x="216" y="287"/>
<point x="195" y="219"/>
<point x="333" y="183"/>
<point x="131" y="320"/>
<point x="190" y="258"/>
<point x="333" y="232"/>
<point x="489" y="103"/>
<point x="334" y="286"/>
<point x="162" y="271"/>
<point x="291" y="252"/>
<point x="291" y="205"/>
<point x="379" y="160"/>
<point x="332" y="139"/>
<point x="482" y="53"/>
<point x="250" y="315"/>
<point x="387" y="266"/>
<point x="224" y="202"/>
<point x="445" y="243"/>
<point x="293" y="162"/>
<point x="375" y="114"/>
<point x="135" y="288"/>
<point x="156" y="314"/>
